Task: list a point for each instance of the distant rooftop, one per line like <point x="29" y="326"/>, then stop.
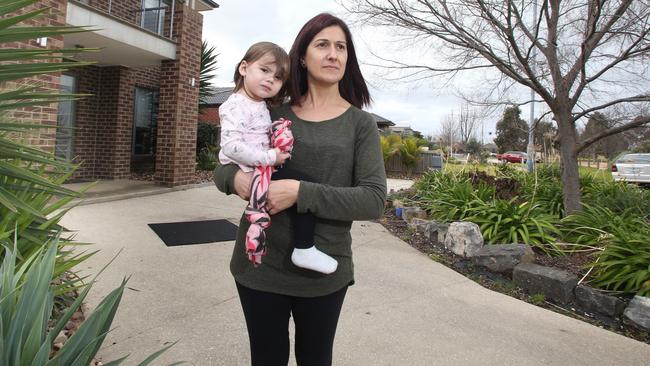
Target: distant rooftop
<point x="381" y="121"/>
<point x="219" y="96"/>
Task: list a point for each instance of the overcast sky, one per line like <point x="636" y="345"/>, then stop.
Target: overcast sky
<point x="236" y="25"/>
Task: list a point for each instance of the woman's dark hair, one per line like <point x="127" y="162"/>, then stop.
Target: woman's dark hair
<point x="352" y="87"/>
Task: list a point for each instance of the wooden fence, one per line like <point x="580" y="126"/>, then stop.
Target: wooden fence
<point x="428" y="160"/>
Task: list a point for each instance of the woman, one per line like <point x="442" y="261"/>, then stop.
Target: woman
<point x="337" y="145"/>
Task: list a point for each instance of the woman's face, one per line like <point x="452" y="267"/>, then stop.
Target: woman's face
<point x="326" y="56"/>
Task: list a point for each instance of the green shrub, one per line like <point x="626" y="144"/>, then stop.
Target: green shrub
<point x="506" y="222"/>
<point x="390" y="145"/>
<point x="207" y="158"/>
<point x="207" y="136"/>
<point x="31" y="194"/>
<point x="409" y="153"/>
<point x="26" y="302"/>
<point x="451" y="196"/>
<point x="619" y="197"/>
<point x="594" y="223"/>
<point x="624" y="264"/>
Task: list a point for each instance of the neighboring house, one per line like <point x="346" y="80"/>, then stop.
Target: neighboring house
<point x="402" y="130"/>
<point x="383" y="124"/>
<point x="143" y="109"/>
<point x="210" y="109"/>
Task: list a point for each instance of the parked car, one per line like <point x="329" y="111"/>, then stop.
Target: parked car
<point x="513" y="157"/>
<point x="633" y="168"/>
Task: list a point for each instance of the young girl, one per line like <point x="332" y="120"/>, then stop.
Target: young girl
<point x="250" y="140"/>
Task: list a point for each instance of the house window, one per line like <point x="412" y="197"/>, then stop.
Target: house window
<point x="153" y="15"/>
<point x="144" y="121"/>
<point x="65" y="119"/>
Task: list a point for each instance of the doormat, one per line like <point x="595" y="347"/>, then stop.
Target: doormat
<point x="195" y="232"/>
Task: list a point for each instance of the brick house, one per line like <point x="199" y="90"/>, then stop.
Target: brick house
<point x="210" y="109"/>
<point x="144" y="84"/>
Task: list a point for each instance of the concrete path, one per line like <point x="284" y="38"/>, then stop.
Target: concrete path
<point x="404" y="310"/>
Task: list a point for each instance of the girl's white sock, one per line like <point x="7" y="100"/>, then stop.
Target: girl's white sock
<point x="314" y="259"/>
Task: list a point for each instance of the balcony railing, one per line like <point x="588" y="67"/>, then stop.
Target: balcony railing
<point x="155" y="16"/>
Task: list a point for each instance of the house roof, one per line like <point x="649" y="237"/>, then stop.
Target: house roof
<point x="204" y="5"/>
<point x="219" y="96"/>
<point x="381" y="120"/>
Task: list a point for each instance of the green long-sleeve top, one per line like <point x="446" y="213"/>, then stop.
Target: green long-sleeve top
<point x="344" y="156"/>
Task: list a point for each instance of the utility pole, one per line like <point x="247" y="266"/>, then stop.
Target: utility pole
<point x="530" y="150"/>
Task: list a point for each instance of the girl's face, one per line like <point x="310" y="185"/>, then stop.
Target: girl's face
<point x="261" y="80"/>
<point x="326" y="56"/>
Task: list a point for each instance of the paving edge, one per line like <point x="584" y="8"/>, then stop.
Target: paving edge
<point x="124" y="196"/>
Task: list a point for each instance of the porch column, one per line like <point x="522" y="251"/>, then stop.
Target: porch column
<point x="179" y="95"/>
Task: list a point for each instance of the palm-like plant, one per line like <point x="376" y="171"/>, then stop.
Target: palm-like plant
<point x="31" y="198"/>
<point x="409" y="152"/>
<point x="208" y="65"/>
<point x="26" y="303"/>
<point x="30" y="178"/>
<point x="390" y="145"/>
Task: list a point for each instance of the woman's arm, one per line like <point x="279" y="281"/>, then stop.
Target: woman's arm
<point x="230" y="179"/>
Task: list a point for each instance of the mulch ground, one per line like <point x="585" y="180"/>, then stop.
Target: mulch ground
<point x="200" y="176"/>
<point x="503" y="283"/>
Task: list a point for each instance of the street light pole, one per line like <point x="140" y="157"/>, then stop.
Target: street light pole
<point x="530" y="150"/>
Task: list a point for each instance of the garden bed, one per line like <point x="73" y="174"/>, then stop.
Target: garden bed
<point x="504" y="284"/>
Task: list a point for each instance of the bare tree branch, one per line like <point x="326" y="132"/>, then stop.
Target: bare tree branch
<point x="639" y="121"/>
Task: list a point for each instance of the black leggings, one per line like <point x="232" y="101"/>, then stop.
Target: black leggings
<point x="267" y="319"/>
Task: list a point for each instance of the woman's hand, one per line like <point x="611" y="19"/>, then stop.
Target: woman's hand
<point x="243" y="184"/>
<point x="282" y="195"/>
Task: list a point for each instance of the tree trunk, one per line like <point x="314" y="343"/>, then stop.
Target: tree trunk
<point x="569" y="162"/>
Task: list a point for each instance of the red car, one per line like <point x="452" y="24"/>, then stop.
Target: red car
<point x="513" y="157"/>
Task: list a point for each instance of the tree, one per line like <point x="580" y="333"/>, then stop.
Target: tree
<point x="208" y="65"/>
<point x="512" y="131"/>
<point x="473" y="147"/>
<point x="467" y="123"/>
<point x="609" y="146"/>
<point x="448" y="134"/>
<point x="578" y="56"/>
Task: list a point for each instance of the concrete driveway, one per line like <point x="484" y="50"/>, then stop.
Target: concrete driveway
<point x="404" y="310"/>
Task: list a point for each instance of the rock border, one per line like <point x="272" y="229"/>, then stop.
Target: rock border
<point x="557" y="285"/>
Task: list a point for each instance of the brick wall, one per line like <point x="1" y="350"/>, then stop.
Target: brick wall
<point x="46" y="114"/>
<point x="210" y="115"/>
<point x="104" y="124"/>
<point x="176" y="150"/>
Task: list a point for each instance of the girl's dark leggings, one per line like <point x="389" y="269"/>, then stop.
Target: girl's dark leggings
<point x="303" y="223"/>
<point x="267" y="319"/>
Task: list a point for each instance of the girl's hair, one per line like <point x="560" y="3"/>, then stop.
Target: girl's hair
<point x="352" y="87"/>
<point x="256" y="52"/>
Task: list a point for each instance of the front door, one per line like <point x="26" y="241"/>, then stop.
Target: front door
<point x="65" y="119"/>
<point x="144" y="128"/>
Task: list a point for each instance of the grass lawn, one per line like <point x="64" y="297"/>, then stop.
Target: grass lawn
<point x="605" y="175"/>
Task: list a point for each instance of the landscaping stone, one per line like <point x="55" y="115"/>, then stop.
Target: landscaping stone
<point x="432" y="230"/>
<point x="420" y="225"/>
<point x="409" y="213"/>
<point x="594" y="300"/>
<point x="503" y="257"/>
<point x="555" y="284"/>
<point x="463" y="238"/>
<point x="638" y="312"/>
<point x="441" y="233"/>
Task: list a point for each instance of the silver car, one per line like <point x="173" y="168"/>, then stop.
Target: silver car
<point x="633" y="168"/>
